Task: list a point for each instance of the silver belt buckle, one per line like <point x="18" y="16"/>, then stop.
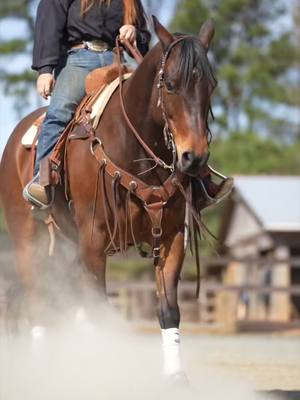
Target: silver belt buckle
<point x="96" y="45"/>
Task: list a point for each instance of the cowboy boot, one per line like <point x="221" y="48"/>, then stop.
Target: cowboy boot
<point x="38" y="195"/>
<point x="212" y="192"/>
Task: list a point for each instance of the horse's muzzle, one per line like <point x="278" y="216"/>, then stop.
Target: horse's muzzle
<point x="191" y="163"/>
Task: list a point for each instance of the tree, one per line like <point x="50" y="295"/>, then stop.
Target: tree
<point x="255" y="62"/>
<point x="17" y="84"/>
<point x="20" y="84"/>
<point x="255" y="155"/>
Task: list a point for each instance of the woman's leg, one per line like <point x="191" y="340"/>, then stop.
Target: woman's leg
<point x="68" y="93"/>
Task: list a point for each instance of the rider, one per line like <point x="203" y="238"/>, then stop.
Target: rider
<point x="72" y="38"/>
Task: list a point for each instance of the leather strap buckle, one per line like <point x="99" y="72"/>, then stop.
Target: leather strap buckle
<point x="155" y="206"/>
<point x="156" y="252"/>
<point x="96" y="45"/>
<point x="157" y="232"/>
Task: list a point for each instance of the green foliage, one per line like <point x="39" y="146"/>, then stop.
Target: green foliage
<point x="18" y="84"/>
<point x="247" y="153"/>
<point x="13" y="46"/>
<point x="254" y="61"/>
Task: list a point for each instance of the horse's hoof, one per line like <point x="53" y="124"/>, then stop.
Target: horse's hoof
<point x="80" y="316"/>
<point x="179" y="379"/>
<point x="38" y="332"/>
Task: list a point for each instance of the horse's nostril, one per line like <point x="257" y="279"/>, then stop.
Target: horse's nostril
<point x="188" y="158"/>
<point x="191" y="162"/>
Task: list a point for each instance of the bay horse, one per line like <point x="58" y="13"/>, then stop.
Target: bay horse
<point x="167" y="97"/>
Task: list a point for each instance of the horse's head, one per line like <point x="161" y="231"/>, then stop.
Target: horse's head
<point x="186" y="83"/>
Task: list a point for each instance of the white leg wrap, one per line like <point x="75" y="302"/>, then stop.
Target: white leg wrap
<point x="80" y="316"/>
<point x="38" y="332"/>
<point x="171" y="351"/>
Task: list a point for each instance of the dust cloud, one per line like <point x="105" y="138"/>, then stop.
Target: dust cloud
<point x="105" y="360"/>
<point x="89" y="352"/>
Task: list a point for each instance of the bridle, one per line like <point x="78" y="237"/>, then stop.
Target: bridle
<point x="168" y="135"/>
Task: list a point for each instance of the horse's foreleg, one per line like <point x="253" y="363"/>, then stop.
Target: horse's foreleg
<point x="167" y="277"/>
<point x="94" y="258"/>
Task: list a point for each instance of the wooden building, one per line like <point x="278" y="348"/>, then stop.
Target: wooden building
<point x="260" y="231"/>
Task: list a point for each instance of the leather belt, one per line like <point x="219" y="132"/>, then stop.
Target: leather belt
<point x="94" y="45"/>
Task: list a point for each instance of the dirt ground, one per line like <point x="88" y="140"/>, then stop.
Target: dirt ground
<point x="267" y="362"/>
<point x="264" y="362"/>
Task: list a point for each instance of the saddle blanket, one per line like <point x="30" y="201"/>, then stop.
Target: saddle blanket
<point x="98" y="108"/>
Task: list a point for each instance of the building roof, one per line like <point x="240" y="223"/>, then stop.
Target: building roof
<point x="274" y="200"/>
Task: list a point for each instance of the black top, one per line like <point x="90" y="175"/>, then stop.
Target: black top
<point x="59" y="25"/>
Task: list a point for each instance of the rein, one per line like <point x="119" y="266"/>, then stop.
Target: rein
<point x="154" y="157"/>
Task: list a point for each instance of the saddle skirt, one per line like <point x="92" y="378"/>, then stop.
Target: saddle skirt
<point x="100" y="86"/>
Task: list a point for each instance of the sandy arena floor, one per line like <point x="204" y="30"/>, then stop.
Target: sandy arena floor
<point x="266" y="362"/>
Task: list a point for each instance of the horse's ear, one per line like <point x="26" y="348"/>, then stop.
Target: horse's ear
<point x="164" y="36"/>
<point x="206" y="33"/>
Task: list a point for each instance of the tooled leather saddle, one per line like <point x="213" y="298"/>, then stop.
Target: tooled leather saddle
<point x="100" y="85"/>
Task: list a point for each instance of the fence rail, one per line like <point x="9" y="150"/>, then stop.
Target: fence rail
<point x="250" y="261"/>
<point x="137" y="299"/>
<point x="207" y="287"/>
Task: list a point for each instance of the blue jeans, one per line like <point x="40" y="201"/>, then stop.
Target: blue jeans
<point x="68" y="92"/>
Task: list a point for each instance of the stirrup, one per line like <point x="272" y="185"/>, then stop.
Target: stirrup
<point x="35" y="202"/>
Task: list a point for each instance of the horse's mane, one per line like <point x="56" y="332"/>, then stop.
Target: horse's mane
<point x="193" y="57"/>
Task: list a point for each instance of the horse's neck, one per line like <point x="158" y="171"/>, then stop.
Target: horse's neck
<point x="142" y="93"/>
<point x="140" y="98"/>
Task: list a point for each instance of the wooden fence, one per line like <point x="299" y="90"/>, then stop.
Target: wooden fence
<point x="220" y="303"/>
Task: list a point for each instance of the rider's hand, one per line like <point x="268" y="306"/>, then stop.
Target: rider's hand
<point x="45" y="85"/>
<point x="128" y="32"/>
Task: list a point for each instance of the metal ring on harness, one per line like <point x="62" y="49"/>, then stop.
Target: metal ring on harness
<point x="95" y="141"/>
<point x="157" y="232"/>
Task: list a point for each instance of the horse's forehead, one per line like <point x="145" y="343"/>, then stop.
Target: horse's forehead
<point x="177" y="58"/>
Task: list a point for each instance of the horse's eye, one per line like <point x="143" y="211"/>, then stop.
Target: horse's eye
<point x="170" y="87"/>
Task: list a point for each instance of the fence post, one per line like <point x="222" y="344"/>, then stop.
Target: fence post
<point x="280" y="304"/>
<point x="227" y="301"/>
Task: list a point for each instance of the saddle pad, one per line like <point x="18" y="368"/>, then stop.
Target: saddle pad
<point x="30" y="134"/>
<point x="103" y="99"/>
<point x="97" y="111"/>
